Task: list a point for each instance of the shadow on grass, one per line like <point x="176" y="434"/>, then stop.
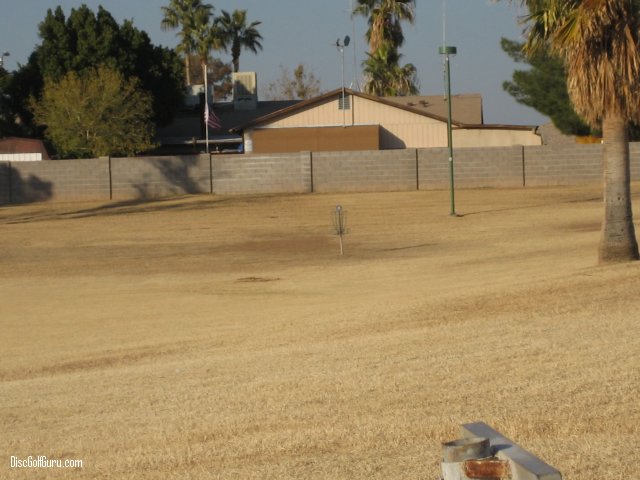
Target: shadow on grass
<point x="138" y="206"/>
<point x="527" y="207"/>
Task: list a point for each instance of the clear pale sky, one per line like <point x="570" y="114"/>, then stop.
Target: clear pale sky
<point x="305" y="31"/>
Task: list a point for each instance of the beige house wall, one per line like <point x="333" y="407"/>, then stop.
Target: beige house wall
<point x="324" y="115"/>
<point x="488" y="137"/>
<point x="399" y="128"/>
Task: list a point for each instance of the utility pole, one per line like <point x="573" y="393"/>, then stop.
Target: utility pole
<point x="447" y="52"/>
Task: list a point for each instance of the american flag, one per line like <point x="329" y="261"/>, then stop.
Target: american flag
<point x="210" y="118"/>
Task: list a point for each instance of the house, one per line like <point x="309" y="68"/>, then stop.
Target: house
<point x="338" y="120"/>
<point x="349" y="120"/>
<point x="15" y="149"/>
<point x="187" y="134"/>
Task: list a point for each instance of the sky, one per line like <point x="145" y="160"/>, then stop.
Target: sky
<point x="305" y="32"/>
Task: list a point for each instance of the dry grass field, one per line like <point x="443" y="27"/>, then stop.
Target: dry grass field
<point x="212" y="337"/>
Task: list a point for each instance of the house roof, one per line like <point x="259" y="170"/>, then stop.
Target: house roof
<point x="312" y="102"/>
<point x="465" y="108"/>
<point x="23" y="145"/>
<point x="187" y="124"/>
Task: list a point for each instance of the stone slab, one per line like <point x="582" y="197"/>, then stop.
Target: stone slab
<point x="524" y="465"/>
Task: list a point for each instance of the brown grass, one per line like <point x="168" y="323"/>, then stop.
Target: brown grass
<point x="225" y="338"/>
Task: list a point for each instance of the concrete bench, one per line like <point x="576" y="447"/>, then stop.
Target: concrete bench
<point x="524" y="465"/>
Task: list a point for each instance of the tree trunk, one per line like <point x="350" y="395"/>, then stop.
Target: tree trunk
<point x="618" y="239"/>
<point x="235" y="55"/>
<point x="187" y="66"/>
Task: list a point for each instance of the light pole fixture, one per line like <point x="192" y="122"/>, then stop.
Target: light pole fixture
<point x="5" y="54"/>
<point x="341" y="47"/>
<point x="205" y="72"/>
<point x="447" y="52"/>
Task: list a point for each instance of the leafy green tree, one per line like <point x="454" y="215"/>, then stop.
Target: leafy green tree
<point x="239" y="35"/>
<point x="186" y="15"/>
<point x="158" y="69"/>
<point x="7" y="120"/>
<point x="219" y="75"/>
<point x="300" y="86"/>
<point x="543" y="87"/>
<point x="95" y="113"/>
<point x="19" y="87"/>
<point x="86" y="40"/>
<point x="74" y="43"/>
<point x="599" y="42"/>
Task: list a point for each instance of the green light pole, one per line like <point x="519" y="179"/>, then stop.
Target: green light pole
<point x="449" y="51"/>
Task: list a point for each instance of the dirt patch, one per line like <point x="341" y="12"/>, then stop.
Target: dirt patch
<point x="257" y="280"/>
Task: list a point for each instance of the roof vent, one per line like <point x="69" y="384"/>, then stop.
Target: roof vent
<point x="245" y="90"/>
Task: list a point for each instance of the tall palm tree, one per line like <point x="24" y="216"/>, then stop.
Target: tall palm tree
<point x="599" y="41"/>
<point x="184" y="14"/>
<point x="385" y="77"/>
<point x="385" y="17"/>
<point x="239" y="35"/>
<point x="207" y="36"/>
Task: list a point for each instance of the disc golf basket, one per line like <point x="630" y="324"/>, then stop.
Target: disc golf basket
<point x="340" y="225"/>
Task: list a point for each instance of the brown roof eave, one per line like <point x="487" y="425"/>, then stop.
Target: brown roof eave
<point x="500" y="127"/>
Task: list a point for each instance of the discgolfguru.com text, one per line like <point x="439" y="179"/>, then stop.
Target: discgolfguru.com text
<point x="41" y="461"/>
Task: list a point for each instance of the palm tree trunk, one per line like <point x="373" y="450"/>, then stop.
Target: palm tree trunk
<point x="618" y="239"/>
<point x="235" y="56"/>
<point x="187" y="66"/>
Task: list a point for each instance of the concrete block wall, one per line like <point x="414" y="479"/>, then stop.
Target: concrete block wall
<point x="365" y="171"/>
<point x="243" y="174"/>
<point x="153" y="177"/>
<point x="360" y="171"/>
<point x="433" y="168"/>
<point x="5" y="185"/>
<point x="473" y="167"/>
<point x="562" y="164"/>
<point x="60" y="180"/>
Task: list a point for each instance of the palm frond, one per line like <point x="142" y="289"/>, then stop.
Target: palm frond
<point x="599" y="42"/>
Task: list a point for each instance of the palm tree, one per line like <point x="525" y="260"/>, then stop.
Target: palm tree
<point x="207" y="36"/>
<point x="385" y="77"/>
<point x="599" y="42"/>
<point x="184" y="14"/>
<point x="385" y="17"/>
<point x="239" y="35"/>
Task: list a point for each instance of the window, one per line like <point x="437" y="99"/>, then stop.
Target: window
<point x="344" y="103"/>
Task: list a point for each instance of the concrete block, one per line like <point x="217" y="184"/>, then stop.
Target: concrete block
<point x="5" y="183"/>
<point x="365" y="171"/>
<point x="273" y="173"/>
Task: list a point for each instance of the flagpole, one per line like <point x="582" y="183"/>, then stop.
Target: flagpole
<point x="206" y="106"/>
